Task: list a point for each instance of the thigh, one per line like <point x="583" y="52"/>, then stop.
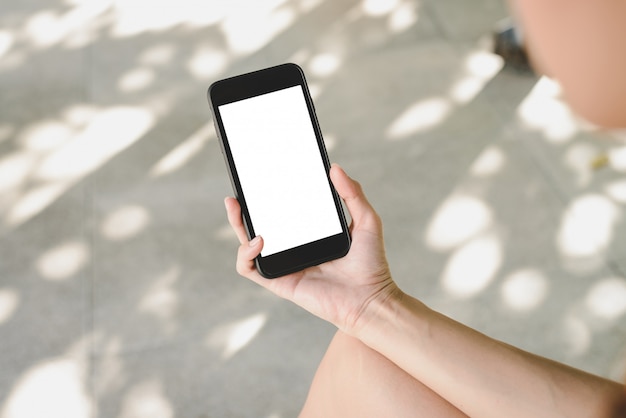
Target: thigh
<point x="355" y="381"/>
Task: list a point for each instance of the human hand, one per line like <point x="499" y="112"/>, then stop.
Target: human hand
<point x="340" y="291"/>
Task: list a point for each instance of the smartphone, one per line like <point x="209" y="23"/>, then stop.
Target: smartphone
<point x="279" y="168"/>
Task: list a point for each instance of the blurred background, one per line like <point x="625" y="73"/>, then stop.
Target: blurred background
<point x="118" y="294"/>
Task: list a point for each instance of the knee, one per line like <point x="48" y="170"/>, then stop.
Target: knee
<point x="328" y="388"/>
<point x="355" y="381"/>
<point x="347" y="376"/>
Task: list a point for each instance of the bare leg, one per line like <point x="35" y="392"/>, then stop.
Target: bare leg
<point x="355" y="381"/>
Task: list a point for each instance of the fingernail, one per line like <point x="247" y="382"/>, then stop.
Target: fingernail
<point x="255" y="241"/>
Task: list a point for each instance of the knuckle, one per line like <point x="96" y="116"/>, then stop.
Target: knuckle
<point x="358" y="187"/>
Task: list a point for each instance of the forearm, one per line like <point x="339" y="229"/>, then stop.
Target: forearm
<point x="581" y="43"/>
<point x="479" y="375"/>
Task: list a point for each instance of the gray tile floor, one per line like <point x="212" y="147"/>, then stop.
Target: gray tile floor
<point x="118" y="296"/>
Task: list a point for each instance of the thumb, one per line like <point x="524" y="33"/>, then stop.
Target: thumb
<point x="362" y="212"/>
<point x="246" y="254"/>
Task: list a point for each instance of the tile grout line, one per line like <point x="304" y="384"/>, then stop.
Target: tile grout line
<point x="536" y="160"/>
<point x="615" y="268"/>
<point x="90" y="237"/>
<point x="438" y="25"/>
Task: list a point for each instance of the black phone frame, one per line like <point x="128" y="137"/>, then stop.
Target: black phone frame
<point x="257" y="83"/>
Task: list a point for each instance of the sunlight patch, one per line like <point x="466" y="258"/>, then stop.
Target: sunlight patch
<point x="459" y="219"/>
<point x="587" y="226"/>
<point x="403" y="17"/>
<point x="146" y="399"/>
<point x="184" y="152"/>
<point x="543" y="110"/>
<point x="63" y="261"/>
<point x="323" y="65"/>
<point x="234" y="337"/>
<point x="161" y="300"/>
<point x="377" y="8"/>
<point x="419" y="117"/>
<point x="524" y="290"/>
<point x="616" y="190"/>
<point x="34" y="202"/>
<point x="53" y="388"/>
<point x="226" y="233"/>
<point x="207" y="63"/>
<point x="45" y="135"/>
<point x="6" y="41"/>
<point x="578" y="336"/>
<point x="9" y="301"/>
<point x="136" y="79"/>
<point x="79" y="115"/>
<point x="480" y="67"/>
<point x="45" y="29"/>
<point x="15" y="169"/>
<point x="473" y="267"/>
<point x="108" y="132"/>
<point x="262" y="21"/>
<point x="577" y="158"/>
<point x="607" y="298"/>
<point x="489" y="162"/>
<point x="617" y="157"/>
<point x="158" y="55"/>
<point x="6" y="131"/>
<point x="133" y="17"/>
<point x="125" y="222"/>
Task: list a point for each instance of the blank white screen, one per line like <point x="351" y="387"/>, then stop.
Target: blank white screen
<point x="280" y="170"/>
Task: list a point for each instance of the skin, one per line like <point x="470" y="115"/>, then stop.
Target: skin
<point x="580" y="43"/>
<point x="451" y="365"/>
<point x="394" y="356"/>
<point x="355" y="381"/>
<point x="339" y="291"/>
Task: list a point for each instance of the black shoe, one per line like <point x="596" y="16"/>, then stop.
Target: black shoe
<point x="506" y="45"/>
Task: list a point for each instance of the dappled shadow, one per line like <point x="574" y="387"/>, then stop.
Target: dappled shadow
<point x="118" y="295"/>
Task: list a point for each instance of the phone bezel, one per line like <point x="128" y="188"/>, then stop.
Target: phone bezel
<point x="255" y="84"/>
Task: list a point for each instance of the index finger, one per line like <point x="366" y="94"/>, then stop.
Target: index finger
<point x="233" y="212"/>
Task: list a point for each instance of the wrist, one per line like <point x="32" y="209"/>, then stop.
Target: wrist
<point x="386" y="313"/>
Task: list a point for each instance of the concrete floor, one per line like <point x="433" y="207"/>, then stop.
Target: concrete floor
<point x="118" y="295"/>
